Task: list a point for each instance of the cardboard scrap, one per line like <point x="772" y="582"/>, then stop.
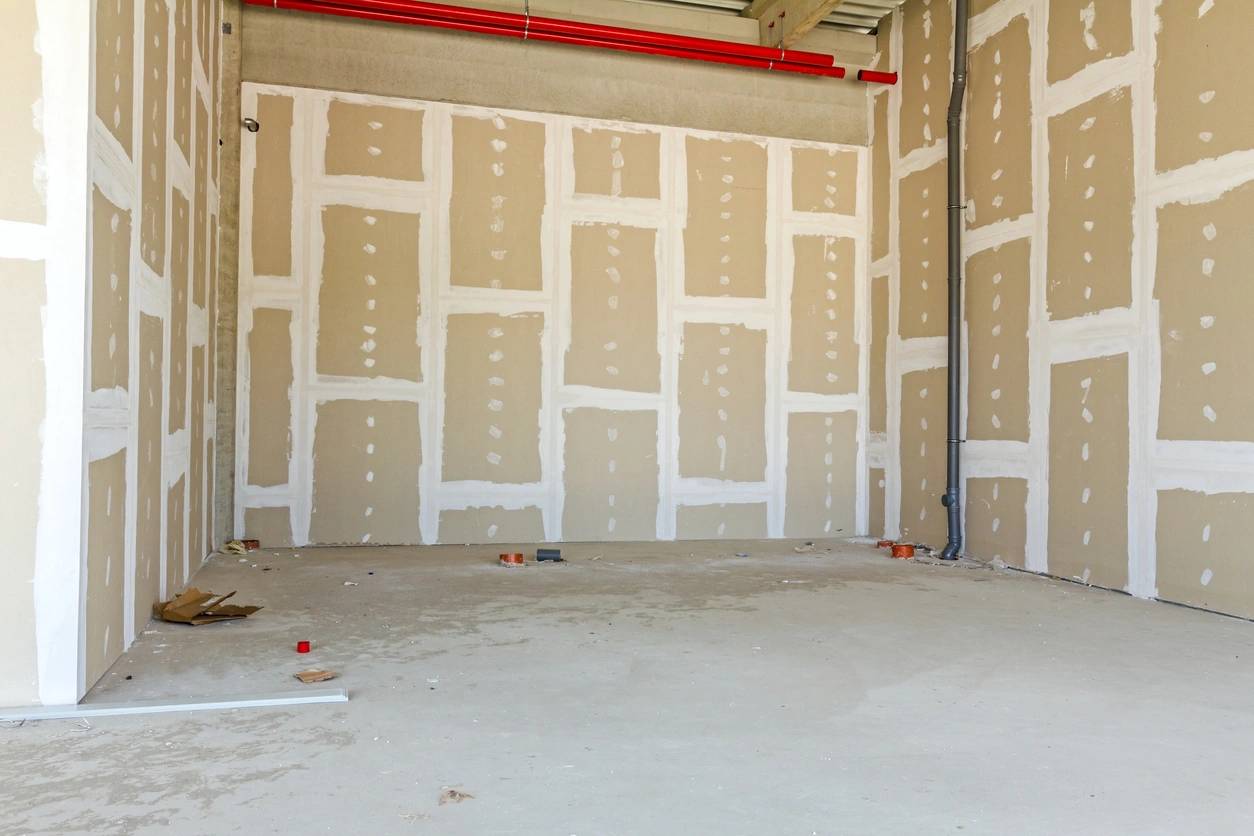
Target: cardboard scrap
<point x="195" y="607"/>
<point x="315" y="676"/>
<point x="451" y="795"/>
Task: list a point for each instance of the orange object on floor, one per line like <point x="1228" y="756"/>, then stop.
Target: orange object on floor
<point x="903" y="551"/>
<point x="512" y="559"/>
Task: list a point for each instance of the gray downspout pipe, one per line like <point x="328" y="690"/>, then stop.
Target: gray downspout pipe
<point x="952" y="498"/>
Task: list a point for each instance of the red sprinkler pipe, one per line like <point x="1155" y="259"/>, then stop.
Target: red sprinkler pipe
<point x="532" y="24"/>
<point x="877" y="76"/>
<point x="565" y="32"/>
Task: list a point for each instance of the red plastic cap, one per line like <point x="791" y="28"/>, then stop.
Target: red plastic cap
<point x="302" y="647"/>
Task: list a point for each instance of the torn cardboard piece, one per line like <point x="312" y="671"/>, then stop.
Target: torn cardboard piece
<point x="311" y="676"/>
<point x="195" y="607"/>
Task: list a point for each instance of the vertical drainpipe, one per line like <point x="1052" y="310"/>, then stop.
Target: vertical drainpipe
<point x="952" y="499"/>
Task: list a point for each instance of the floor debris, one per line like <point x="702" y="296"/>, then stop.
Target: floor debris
<point x="314" y="675"/>
<point x="806" y="549"/>
<point x="451" y="795"/>
<point x="195" y="607"/>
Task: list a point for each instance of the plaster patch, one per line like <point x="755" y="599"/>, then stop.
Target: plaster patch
<point x="926" y="66"/>
<point x="149" y="490"/>
<point x="175" y="534"/>
<point x="491" y="430"/>
<point x="997" y="519"/>
<point x="922" y="234"/>
<point x="368" y="302"/>
<point x="110" y="293"/>
<point x="153" y="128"/>
<point x="610" y="475"/>
<point x="617" y="163"/>
<point x="200" y="211"/>
<point x="997" y="161"/>
<point x="1090" y="180"/>
<point x="725" y="521"/>
<point x="725" y="229"/>
<point x="374" y="141"/>
<point x="179" y="255"/>
<point x="473" y="526"/>
<point x="923" y="457"/>
<point x="105" y="607"/>
<point x="877" y="488"/>
<point x="1082" y="32"/>
<point x="881" y="178"/>
<point x="614" y="293"/>
<point x="878" y="388"/>
<point x="271" y="232"/>
<point x="1203" y="552"/>
<point x="1204" y="318"/>
<point x="823" y="355"/>
<point x="114" y="71"/>
<point x="825" y="180"/>
<point x="366" y="456"/>
<point x="822" y="476"/>
<point x="997" y="301"/>
<point x="269" y="397"/>
<point x="497" y="204"/>
<point x="1088" y="471"/>
<point x="181" y="127"/>
<point x="196" y="464"/>
<point x="722" y="402"/>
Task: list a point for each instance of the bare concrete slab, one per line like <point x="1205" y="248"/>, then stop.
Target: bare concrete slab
<point x="661" y="688"/>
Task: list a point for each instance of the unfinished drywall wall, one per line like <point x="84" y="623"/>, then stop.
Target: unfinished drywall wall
<point x="1103" y="299"/>
<point x="543" y="317"/>
<point x="926" y="58"/>
<point x="148" y="398"/>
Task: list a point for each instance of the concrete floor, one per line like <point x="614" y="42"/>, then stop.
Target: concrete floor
<point x="662" y="689"/>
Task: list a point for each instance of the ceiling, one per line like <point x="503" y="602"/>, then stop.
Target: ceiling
<point x="851" y="15"/>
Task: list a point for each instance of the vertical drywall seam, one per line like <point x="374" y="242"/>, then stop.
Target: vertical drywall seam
<point x="892" y="450"/>
<point x="65" y="45"/>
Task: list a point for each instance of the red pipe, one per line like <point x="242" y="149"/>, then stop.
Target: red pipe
<point x="520" y="26"/>
<point x="877" y="76"/>
<point x="535" y="23"/>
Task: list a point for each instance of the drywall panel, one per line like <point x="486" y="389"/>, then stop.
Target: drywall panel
<point x="617" y="163"/>
<point x="1090" y="207"/>
<point x="153" y="128"/>
<point x="110" y="293"/>
<point x="368" y="294"/>
<point x="1203" y="550"/>
<point x="825" y="180"/>
<point x="923" y="457"/>
<point x="179" y="253"/>
<point x="196" y="463"/>
<point x="149" y="489"/>
<point x="200" y="214"/>
<point x="823" y="352"/>
<point x="1206" y="305"/>
<point x="822" y="484"/>
<point x="374" y="141"/>
<point x="491" y="525"/>
<point x="998" y="156"/>
<point x="877" y="409"/>
<point x="203" y="20"/>
<point x="997" y="519"/>
<point x="115" y="70"/>
<point x="492" y="380"/>
<point x="497" y="204"/>
<point x="725" y="228"/>
<point x="722" y="402"/>
<point x="271" y="526"/>
<point x="921" y="242"/>
<point x="271" y="197"/>
<point x="613" y="299"/>
<point x="21" y="449"/>
<point x="1088" y="471"/>
<point x="1201" y="81"/>
<point x="997" y="300"/>
<point x="926" y="62"/>
<point x="611" y="475"/>
<point x="270" y="381"/>
<point x="877" y="480"/>
<point x="366" y="456"/>
<point x="175" y="536"/>
<point x="881" y="178"/>
<point x="730" y="521"/>
<point x="181" y="127"/>
<point x="1082" y="32"/>
<point x="210" y="474"/>
<point x="106" y="563"/>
